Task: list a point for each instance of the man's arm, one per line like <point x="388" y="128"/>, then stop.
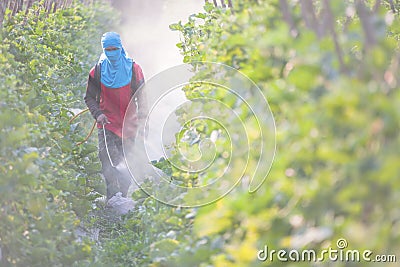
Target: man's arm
<point x="92" y="95"/>
<point x="141" y="96"/>
<point x="141" y="100"/>
<point x="139" y="76"/>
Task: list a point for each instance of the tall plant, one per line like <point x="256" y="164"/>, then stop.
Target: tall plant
<point x="46" y="181"/>
<point x="328" y="70"/>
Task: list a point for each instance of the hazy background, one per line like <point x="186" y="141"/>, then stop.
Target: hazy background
<point x="145" y="31"/>
<point x="146" y="36"/>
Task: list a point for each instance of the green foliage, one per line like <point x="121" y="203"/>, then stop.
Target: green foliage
<point x="335" y="99"/>
<point x="148" y="235"/>
<point x="44" y="187"/>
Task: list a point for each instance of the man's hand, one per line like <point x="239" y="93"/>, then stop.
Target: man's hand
<point x="102" y="119"/>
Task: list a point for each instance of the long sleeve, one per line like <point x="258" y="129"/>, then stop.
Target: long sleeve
<point x="92" y="96"/>
<point x="141" y="99"/>
<point x="139" y="76"/>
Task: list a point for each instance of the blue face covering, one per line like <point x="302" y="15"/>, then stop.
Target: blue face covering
<point x="116" y="66"/>
<point x="113" y="56"/>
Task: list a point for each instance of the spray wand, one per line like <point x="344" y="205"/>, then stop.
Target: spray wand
<point x="105" y="141"/>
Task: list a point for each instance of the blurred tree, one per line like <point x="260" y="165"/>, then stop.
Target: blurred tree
<point x="328" y="69"/>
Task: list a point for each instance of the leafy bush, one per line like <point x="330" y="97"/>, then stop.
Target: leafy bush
<point x="329" y="74"/>
<point x="46" y="180"/>
<point x="151" y="234"/>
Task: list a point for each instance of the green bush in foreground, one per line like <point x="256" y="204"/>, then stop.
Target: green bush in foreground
<point x="329" y="72"/>
<point x="46" y="181"/>
<point x="334" y="93"/>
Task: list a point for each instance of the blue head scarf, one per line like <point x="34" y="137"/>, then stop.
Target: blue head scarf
<point x="116" y="66"/>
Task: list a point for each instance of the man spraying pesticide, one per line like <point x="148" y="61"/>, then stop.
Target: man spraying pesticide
<point x="111" y="85"/>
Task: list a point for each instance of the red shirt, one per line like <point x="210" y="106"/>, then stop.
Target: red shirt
<point x="114" y="103"/>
